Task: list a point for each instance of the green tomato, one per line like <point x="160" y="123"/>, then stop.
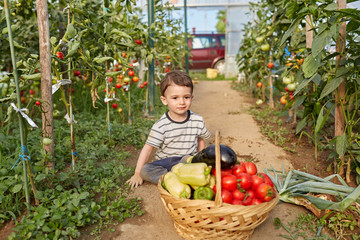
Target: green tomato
<point x="259" y="102"/>
<point x="47" y="141"/>
<point x="291" y="87"/>
<point x="126" y="79"/>
<point x="265" y="47"/>
<point x="259" y="39"/>
<point x="287" y="80"/>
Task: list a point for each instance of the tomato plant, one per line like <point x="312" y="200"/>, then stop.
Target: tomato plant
<point x="259" y="84"/>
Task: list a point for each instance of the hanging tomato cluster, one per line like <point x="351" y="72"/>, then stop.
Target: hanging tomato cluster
<point x="243" y="185"/>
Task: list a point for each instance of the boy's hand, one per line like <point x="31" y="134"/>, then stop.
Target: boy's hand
<point x="135" y="181"/>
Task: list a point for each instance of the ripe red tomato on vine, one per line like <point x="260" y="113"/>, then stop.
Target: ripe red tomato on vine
<point x="131" y="73"/>
<point x="259" y="84"/>
<point x="114" y="105"/>
<point x="60" y="55"/>
<point x="270" y="65"/>
<point x="38" y="103"/>
<point x="138" y="41"/>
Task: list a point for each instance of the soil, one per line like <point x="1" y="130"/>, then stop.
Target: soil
<point x="226" y="110"/>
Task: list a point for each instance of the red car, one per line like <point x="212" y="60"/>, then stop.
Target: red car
<point x="207" y="51"/>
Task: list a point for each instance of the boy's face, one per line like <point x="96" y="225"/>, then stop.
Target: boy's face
<point x="178" y="99"/>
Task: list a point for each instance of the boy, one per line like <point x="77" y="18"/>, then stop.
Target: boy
<point x="176" y="135"/>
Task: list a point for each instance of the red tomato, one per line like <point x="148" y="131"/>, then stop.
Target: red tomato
<point x="135" y="79"/>
<point x="270" y="65"/>
<point x="223" y="172"/>
<point x="247" y="201"/>
<point x="264" y="192"/>
<point x="251" y="193"/>
<point x="138" y="41"/>
<point x="60" y="55"/>
<point x="238" y="169"/>
<point x="118" y="85"/>
<point x="267" y="179"/>
<point x="131" y="73"/>
<point x="237" y="202"/>
<point x="259" y="84"/>
<point x="31" y="91"/>
<point x="257" y="180"/>
<point x="229" y="182"/>
<point x="245" y="180"/>
<point x="256" y="201"/>
<point x="130" y="66"/>
<point x="76" y="73"/>
<point x="250" y="168"/>
<point x="114" y="105"/>
<point x="238" y="194"/>
<point x="141" y="85"/>
<point x="145" y="83"/>
<point x="110" y="79"/>
<point x="38" y="103"/>
<point x="226" y="196"/>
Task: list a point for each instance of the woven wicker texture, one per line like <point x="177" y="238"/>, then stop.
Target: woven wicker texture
<point x="204" y="219"/>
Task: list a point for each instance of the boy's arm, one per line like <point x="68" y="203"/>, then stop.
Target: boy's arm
<point x="144" y="156"/>
<point x="201" y="144"/>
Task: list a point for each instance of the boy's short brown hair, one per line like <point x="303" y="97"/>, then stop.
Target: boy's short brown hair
<point x="178" y="78"/>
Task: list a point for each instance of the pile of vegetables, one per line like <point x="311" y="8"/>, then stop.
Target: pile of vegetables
<point x="241" y="184"/>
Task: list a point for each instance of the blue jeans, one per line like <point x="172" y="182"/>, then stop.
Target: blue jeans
<point x="153" y="171"/>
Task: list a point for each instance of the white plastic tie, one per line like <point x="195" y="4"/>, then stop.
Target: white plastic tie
<point x="23" y="114"/>
<point x="67" y="117"/>
<point x="59" y="83"/>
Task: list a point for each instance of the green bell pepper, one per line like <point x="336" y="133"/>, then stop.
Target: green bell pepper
<point x="175" y="187"/>
<point x="204" y="193"/>
<point x="195" y="174"/>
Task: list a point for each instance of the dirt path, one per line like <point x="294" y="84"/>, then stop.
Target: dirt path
<point x="226" y="110"/>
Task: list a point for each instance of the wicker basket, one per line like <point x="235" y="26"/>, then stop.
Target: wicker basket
<point x="204" y="219"/>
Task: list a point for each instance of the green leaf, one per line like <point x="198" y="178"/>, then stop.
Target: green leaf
<point x="83" y="195"/>
<point x="321" y="118"/>
<point x="320" y="41"/>
<point x="331" y="86"/>
<point x="16" y="188"/>
<point x="311" y="65"/>
<point x="70" y="31"/>
<point x="298" y="101"/>
<point x="288" y="33"/>
<point x="301" y="125"/>
<point x="341" y="144"/>
<point x="112" y="74"/>
<point x="102" y="59"/>
<point x="53" y="40"/>
<point x="291" y="8"/>
<point x="342" y="71"/>
<point x="40" y="177"/>
<point x="119" y="33"/>
<point x="305" y="82"/>
<point x="331" y="7"/>
<point x="75" y="202"/>
<point x="149" y="58"/>
<point x="35" y="76"/>
<point x="73" y="48"/>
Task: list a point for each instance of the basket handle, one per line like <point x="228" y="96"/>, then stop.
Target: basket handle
<point x="218" y="199"/>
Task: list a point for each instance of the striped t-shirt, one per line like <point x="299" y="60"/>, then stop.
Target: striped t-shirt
<point x="177" y="138"/>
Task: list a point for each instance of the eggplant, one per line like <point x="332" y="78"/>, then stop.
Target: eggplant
<point x="207" y="155"/>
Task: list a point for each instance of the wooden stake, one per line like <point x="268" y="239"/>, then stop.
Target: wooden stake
<point x="46" y="79"/>
<point x="340" y="92"/>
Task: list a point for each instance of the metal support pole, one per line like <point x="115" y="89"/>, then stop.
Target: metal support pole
<point x="186" y="39"/>
<point x="151" y="72"/>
